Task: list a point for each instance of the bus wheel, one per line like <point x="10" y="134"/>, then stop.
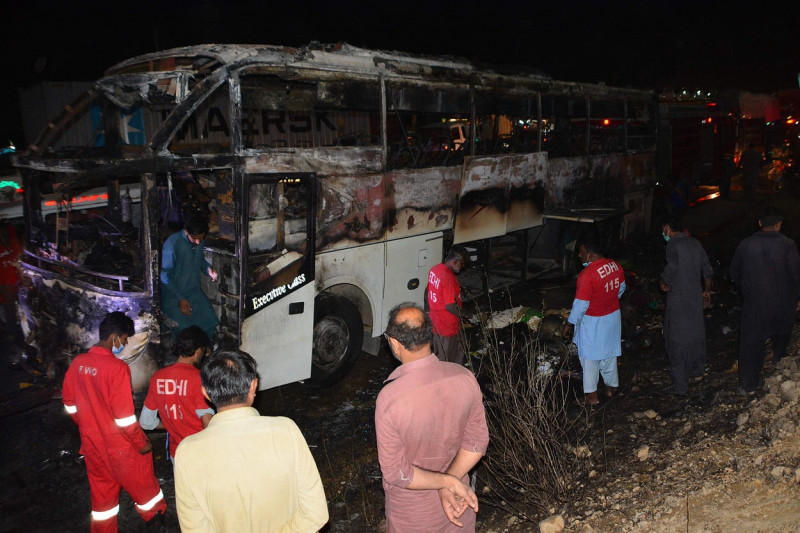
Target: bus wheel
<point x="338" y="332"/>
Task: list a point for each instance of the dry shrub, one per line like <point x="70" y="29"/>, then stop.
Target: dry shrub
<point x="534" y="423"/>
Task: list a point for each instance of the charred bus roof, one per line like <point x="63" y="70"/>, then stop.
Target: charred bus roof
<point x="339" y="57"/>
<point x="198" y="61"/>
<point x="177" y="79"/>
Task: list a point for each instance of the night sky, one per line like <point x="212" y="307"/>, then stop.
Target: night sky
<point x="713" y="45"/>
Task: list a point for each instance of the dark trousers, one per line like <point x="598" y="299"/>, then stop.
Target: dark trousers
<point x="448" y="349"/>
<point x="725" y="187"/>
<point x="686" y="360"/>
<point x="751" y="357"/>
<point x="749" y="185"/>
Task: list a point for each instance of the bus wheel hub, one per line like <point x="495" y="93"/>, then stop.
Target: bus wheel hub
<point x="331" y="339"/>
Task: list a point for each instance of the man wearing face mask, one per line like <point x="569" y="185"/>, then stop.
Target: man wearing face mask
<point x="175" y="398"/>
<point x="182" y="263"/>
<point x="684" y="325"/>
<point x="97" y="394"/>
<point x="443" y="304"/>
<point x="597" y="320"/>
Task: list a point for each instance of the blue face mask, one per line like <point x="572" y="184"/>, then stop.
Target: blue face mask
<point x="666" y="237"/>
<point x="116" y="350"/>
<point x="586" y="264"/>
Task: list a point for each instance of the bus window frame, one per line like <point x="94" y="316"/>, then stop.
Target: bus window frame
<point x="308" y="255"/>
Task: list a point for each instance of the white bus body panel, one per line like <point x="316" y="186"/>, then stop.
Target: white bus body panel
<point x="363" y="267"/>
<point x="408" y="260"/>
<point x="279" y="342"/>
<point x="349" y="269"/>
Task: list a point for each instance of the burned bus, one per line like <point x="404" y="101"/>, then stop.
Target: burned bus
<point x="332" y="176"/>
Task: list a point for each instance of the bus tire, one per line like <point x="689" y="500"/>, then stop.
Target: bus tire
<point x="338" y="333"/>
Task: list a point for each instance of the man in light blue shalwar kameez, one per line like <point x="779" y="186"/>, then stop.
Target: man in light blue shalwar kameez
<point x="597" y="320"/>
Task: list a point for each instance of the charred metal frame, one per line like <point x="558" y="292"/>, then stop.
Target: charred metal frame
<point x="359" y="169"/>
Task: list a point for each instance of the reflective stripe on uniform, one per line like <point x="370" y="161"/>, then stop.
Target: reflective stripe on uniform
<point x="105" y="515"/>
<point x="125" y="422"/>
<point x="152" y="503"/>
<point x="71" y="409"/>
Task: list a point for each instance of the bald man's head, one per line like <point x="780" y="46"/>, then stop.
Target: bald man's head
<point x="410" y="326"/>
<point x="412" y="316"/>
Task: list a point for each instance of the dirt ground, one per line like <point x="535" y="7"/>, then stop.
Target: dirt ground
<point x="713" y="461"/>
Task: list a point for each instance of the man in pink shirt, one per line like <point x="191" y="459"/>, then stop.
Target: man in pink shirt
<point x="431" y="431"/>
<point x="443" y="303"/>
<point x="175" y="394"/>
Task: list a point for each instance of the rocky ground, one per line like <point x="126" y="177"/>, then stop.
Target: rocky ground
<point x="713" y="461"/>
<point x="731" y="465"/>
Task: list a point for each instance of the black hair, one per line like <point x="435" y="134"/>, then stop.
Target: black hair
<point x="458" y="252"/>
<point x="592" y="246"/>
<point x="189" y="340"/>
<point x="196" y="225"/>
<point x="412" y="334"/>
<point x="770" y="217"/>
<point x="226" y="375"/>
<point x="116" y="322"/>
<point x="674" y="223"/>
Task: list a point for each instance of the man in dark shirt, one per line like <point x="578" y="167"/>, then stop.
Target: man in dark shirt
<point x="766" y="266"/>
<point x="684" y="325"/>
<point x="751" y="161"/>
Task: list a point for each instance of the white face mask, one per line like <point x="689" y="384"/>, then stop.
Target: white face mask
<point x="116" y="350"/>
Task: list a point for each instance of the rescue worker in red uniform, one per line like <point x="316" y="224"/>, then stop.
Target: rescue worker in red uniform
<point x="443" y="305"/>
<point x="597" y="320"/>
<point x="175" y="398"/>
<point x="10" y="250"/>
<point x="97" y="394"/>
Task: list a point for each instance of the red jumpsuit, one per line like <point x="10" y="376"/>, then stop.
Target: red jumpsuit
<point x="10" y="250"/>
<point x="97" y="393"/>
